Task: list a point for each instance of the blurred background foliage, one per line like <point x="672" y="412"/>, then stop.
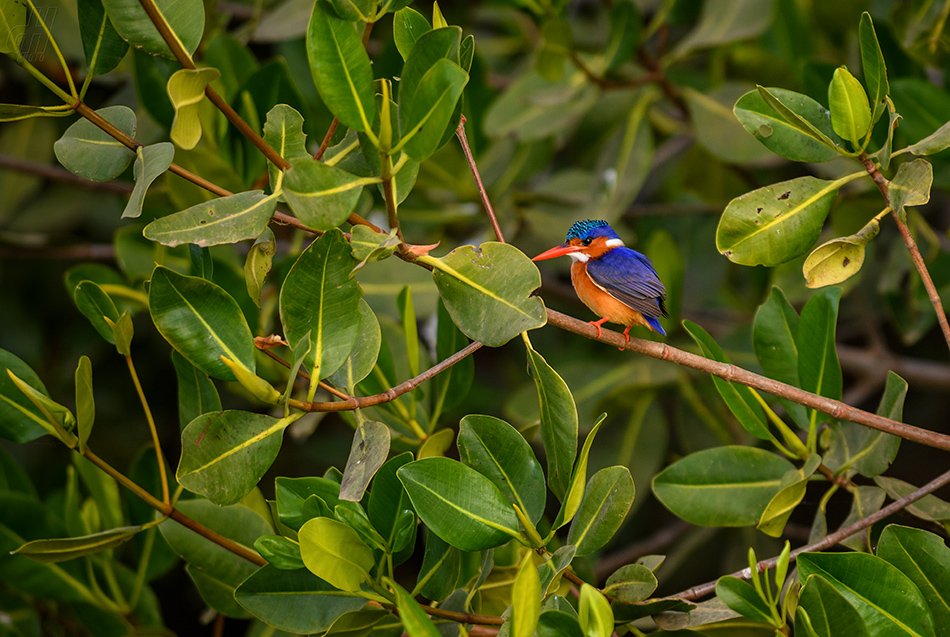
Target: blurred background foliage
<point x="575" y="110"/>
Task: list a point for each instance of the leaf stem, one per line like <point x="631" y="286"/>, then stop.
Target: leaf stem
<point x="160" y="458"/>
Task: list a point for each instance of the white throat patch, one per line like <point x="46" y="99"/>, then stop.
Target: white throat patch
<point x="614" y="243"/>
<point x="578" y="256"/>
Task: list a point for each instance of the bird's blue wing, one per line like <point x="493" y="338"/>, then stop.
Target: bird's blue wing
<point x="629" y="277"/>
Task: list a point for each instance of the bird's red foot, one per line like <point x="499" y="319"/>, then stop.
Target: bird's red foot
<point x="626" y="334"/>
<point x="597" y="324"/>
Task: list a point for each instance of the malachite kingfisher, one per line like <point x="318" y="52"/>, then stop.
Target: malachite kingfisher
<point x="617" y="283"/>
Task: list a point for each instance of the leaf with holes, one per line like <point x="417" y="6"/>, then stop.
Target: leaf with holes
<point x="223" y="220"/>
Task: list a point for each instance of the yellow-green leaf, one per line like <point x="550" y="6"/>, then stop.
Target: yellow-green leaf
<point x="186" y="89"/>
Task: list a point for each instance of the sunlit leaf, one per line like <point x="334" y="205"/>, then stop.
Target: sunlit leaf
<point x="334" y="552"/>
<point x="185" y="18"/>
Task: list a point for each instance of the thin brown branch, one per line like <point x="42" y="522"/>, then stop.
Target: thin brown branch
<point x="911" y="245"/>
<point x="828" y="541"/>
<point x="55" y="173"/>
<point x="354" y="402"/>
<point x="302" y="372"/>
<point x="167" y="510"/>
<point x="463" y="140"/>
<point x="833" y="408"/>
<point x="463" y="618"/>
<point x="326" y="139"/>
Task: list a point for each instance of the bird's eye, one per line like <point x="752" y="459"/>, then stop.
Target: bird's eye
<point x="587" y="241"/>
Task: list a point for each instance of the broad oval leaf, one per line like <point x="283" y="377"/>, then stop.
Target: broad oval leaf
<point x="297" y="601"/>
<point x="925" y="559"/>
<point x="334" y="552"/>
<point x="459" y="504"/>
<point x="497" y="451"/>
<point x="607" y="500"/>
<point x="826" y="612"/>
<point x="887" y="600"/>
<point x="201" y="321"/>
<point x="150" y="162"/>
<point x="89" y="152"/>
<point x="408" y="26"/>
<point x="910" y="186"/>
<point x="850" y="113"/>
<point x="281" y="552"/>
<point x="426" y="113"/>
<point x="775" y="224"/>
<point x="185" y="18"/>
<point x="20" y="420"/>
<point x="724" y="486"/>
<point x="362" y="358"/>
<point x="740" y="596"/>
<point x="838" y="259"/>
<point x="320" y="298"/>
<point x="223" y="220"/>
<point x="780" y="136"/>
<point x="224" y="455"/>
<point x="186" y="90"/>
<point x="283" y="131"/>
<point x="341" y="68"/>
<point x="321" y="196"/>
<point x="487" y="291"/>
<point x="594" y="614"/>
<point x="631" y="583"/>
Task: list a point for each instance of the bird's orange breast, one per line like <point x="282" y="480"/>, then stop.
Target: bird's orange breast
<point x="601" y="301"/>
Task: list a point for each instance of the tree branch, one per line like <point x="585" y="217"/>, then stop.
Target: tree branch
<point x="463" y="140"/>
<point x="834" y="408"/>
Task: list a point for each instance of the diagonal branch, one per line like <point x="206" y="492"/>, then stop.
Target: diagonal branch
<point x="463" y="140"/>
<point x="834" y="408"/>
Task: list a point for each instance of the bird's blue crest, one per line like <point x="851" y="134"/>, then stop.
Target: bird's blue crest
<point x="582" y="229"/>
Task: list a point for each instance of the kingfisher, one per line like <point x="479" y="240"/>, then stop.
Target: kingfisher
<point x="617" y="283"/>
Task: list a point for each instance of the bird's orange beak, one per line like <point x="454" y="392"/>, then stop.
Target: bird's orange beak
<point x="558" y="251"/>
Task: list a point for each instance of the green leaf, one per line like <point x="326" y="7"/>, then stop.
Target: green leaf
<point x="186" y="90"/>
<point x="441" y="566"/>
<point x="868" y="451"/>
<point x="408" y="26"/>
<point x="806" y="120"/>
<point x="258" y="263"/>
<point x="934" y="143"/>
<point x="341" y="68"/>
<point x="724" y="486"/>
<point x="497" y="451"/>
<point x="425" y="114"/>
<point x="224" y="455"/>
<point x="414" y="620"/>
<point x="283" y="131"/>
<point x="60" y="550"/>
<point x="89" y="152"/>
<point x="363" y="357"/>
<point x="322" y="196"/>
<point x="550" y="572"/>
<point x="775" y="224"/>
<point x="818" y="366"/>
<point x="150" y="162"/>
<point x="717" y="126"/>
<point x="459" y="504"/>
<point x="782" y="137"/>
<point x="594" y="613"/>
<point x="298" y="601"/>
<point x="575" y="490"/>
<point x="825" y="612"/>
<point x="185" y="18"/>
<point x="369" y="246"/>
<point x="388" y="499"/>
<point x="773" y="337"/>
<point x="97" y="306"/>
<point x="436" y="444"/>
<point x="16" y="112"/>
<point x="872" y="62"/>
<point x="13" y="22"/>
<point x="725" y="21"/>
<point x="320" y="298"/>
<point x="740" y="596"/>
<point x="607" y="500"/>
<point x="334" y="552"/>
<point x="487" y="291"/>
<point x="850" y="113"/>
<point x="625" y="27"/>
<point x="85" y="402"/>
<point x="300" y="499"/>
<point x="864" y="502"/>
<point x="631" y="583"/>
<point x="910" y="186"/>
<point x="355" y="10"/>
<point x="738" y="398"/>
<point x="103" y="46"/>
<point x="929" y="507"/>
<point x="525" y="599"/>
<point x="925" y="559"/>
<point x="224" y="220"/>
<point x="201" y="321"/>
<point x="281" y="552"/>
<point x="27" y="399"/>
<point x="122" y="333"/>
<point x="558" y="422"/>
<point x="558" y="623"/>
<point x="887" y="600"/>
<point x="367" y="454"/>
<point x="839" y="259"/>
<point x="410" y="331"/>
<point x="782" y="505"/>
<point x="196" y="393"/>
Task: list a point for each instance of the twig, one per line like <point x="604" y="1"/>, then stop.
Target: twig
<point x="463" y="140"/>
<point x="354" y="402"/>
<point x="828" y="541"/>
<point x="834" y="408"/>
<point x="61" y="174"/>
<point x="911" y="245"/>
<point x="326" y="139"/>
